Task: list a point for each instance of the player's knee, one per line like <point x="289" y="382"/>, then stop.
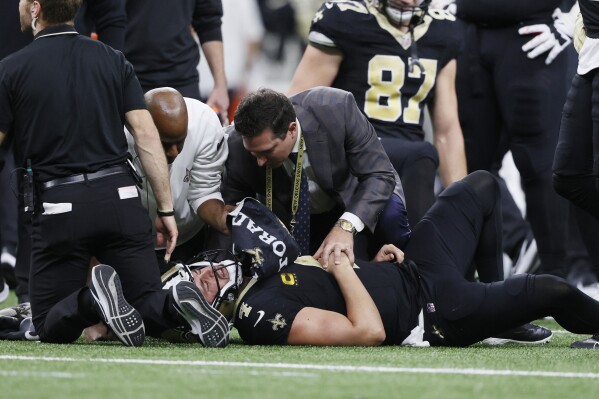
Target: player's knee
<point x="426" y="153"/>
<point x="484" y="184"/>
<point x="554" y="287"/>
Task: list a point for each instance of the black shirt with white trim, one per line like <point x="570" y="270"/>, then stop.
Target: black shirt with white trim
<point x="64" y="98"/>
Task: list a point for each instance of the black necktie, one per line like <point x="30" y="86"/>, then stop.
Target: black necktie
<point x="301" y="230"/>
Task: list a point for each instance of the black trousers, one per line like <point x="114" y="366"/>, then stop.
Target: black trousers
<point x="101" y="224"/>
<point x="462" y="228"/>
<point x="8" y="204"/>
<point x="504" y="96"/>
<point x="416" y="164"/>
<point x="576" y="163"/>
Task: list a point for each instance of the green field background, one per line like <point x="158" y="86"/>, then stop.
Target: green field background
<point x="109" y="370"/>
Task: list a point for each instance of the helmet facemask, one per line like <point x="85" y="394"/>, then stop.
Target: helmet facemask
<point x="227" y="293"/>
<point x="401" y="15"/>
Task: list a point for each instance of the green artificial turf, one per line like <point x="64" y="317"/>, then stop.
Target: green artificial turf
<point x="162" y="370"/>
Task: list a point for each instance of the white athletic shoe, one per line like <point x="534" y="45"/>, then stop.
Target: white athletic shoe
<point x="122" y="318"/>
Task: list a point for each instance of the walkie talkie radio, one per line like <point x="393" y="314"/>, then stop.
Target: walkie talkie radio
<point x="28" y="189"/>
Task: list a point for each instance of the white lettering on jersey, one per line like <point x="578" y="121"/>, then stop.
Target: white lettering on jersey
<point x="244" y="310"/>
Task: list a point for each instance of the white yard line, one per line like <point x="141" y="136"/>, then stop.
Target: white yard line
<point x="316" y="367"/>
<point x="39" y="374"/>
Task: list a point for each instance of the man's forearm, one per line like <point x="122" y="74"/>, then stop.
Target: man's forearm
<point x="153" y="161"/>
<point x="452" y="158"/>
<point x="213" y="213"/>
<point x="151" y="155"/>
<point x="361" y="310"/>
<point x="214" y="52"/>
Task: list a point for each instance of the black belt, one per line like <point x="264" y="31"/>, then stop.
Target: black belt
<point x="109" y="171"/>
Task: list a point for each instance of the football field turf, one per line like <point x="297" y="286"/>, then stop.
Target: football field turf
<point x="163" y="370"/>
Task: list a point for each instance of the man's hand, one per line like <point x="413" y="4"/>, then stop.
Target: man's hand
<point x="337" y="241"/>
<point x="98" y="332"/>
<point x="214" y="212"/>
<point x="219" y="102"/>
<point x="389" y="253"/>
<point x="341" y="266"/>
<point x="166" y="230"/>
<point x="549" y="38"/>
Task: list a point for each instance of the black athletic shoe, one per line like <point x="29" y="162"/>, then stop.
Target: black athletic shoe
<point x="589" y="343"/>
<point x="122" y="318"/>
<point x="527" y="334"/>
<point x="206" y="322"/>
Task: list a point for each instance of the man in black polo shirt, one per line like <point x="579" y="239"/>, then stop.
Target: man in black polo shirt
<point x="160" y="45"/>
<point x="64" y="99"/>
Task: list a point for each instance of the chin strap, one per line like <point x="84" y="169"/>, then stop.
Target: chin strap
<point x="414" y="60"/>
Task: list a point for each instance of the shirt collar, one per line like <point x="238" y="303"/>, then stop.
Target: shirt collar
<point x="56" y="30"/>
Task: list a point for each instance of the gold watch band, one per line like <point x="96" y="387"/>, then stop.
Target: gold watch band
<point x="346" y="225"/>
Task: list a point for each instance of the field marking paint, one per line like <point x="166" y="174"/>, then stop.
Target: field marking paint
<point x="39" y="374"/>
<point x="285" y="374"/>
<point x="316" y="367"/>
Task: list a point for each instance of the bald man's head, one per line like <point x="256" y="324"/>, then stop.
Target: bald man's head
<point x="169" y="112"/>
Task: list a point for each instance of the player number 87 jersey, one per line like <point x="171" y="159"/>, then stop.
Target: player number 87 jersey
<point x="376" y="59"/>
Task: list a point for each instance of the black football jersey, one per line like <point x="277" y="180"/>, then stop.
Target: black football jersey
<point x="376" y="61"/>
<point x="590" y="16"/>
<point x="264" y="315"/>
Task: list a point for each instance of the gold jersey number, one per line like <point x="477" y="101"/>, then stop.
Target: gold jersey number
<point x="387" y="74"/>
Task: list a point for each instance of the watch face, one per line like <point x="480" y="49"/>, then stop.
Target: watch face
<point x="345" y="225"/>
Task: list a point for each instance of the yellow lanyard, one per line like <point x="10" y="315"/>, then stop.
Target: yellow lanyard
<point x="296" y="184"/>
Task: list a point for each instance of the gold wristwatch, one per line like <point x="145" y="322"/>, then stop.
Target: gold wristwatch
<point x="346" y="225"/>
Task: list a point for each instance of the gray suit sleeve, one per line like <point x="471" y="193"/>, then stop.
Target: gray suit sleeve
<point x="369" y="163"/>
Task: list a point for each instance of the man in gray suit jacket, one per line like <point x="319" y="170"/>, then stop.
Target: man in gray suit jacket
<point x="353" y="187"/>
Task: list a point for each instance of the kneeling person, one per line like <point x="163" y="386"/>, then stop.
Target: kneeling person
<point x="195" y="147"/>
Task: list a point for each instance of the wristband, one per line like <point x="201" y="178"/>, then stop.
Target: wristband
<point x="165" y="213"/>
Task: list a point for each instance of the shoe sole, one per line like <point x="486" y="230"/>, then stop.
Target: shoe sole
<point x="206" y="322"/>
<point x="503" y="341"/>
<point x="122" y="318"/>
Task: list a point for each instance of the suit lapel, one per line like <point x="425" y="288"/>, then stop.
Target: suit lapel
<point x="317" y="145"/>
